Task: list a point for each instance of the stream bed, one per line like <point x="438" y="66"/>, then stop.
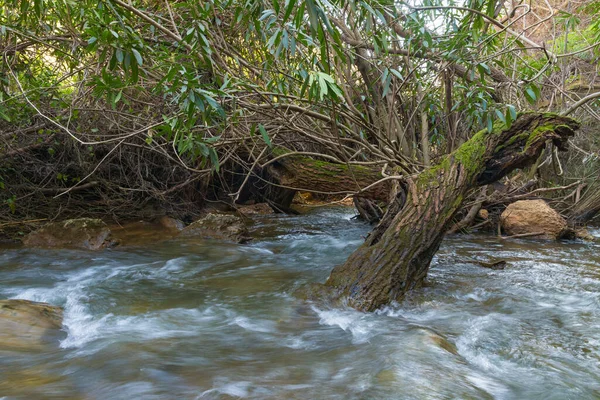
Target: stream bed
<point x="193" y="319"/>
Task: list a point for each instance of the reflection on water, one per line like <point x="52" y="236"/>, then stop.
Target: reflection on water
<point x="206" y="320"/>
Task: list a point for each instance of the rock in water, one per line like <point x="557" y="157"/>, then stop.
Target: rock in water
<point x="82" y="233"/>
<point x="28" y="325"/>
<point x="533" y="216"/>
<point x="171" y="223"/>
<point x="218" y="226"/>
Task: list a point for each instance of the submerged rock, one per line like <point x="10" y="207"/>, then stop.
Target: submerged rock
<point x="255" y="209"/>
<point x="584" y="234"/>
<point x="28" y="325"/>
<point x="82" y="233"/>
<point x="34" y="382"/>
<point x="495" y="265"/>
<point x="533" y="216"/>
<point x="218" y="226"/>
<point x="171" y="223"/>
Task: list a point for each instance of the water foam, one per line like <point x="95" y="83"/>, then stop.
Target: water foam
<point x="355" y="322"/>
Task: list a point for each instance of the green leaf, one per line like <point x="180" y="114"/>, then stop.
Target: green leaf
<point x="289" y="9"/>
<point x="530" y="95"/>
<point x="536" y="90"/>
<point x="397" y="74"/>
<point x="138" y="57"/>
<point x="204" y="150"/>
<point x="134" y="72"/>
<point x="4" y="116"/>
<point x="119" y="55"/>
<point x="512" y="111"/>
<point x="336" y="90"/>
<point x="374" y="13"/>
<point x="266" y="14"/>
<point x="387" y="79"/>
<point x="323" y="87"/>
<point x="313" y="16"/>
<point x="214" y="159"/>
<point x="264" y="135"/>
<point x="117" y="98"/>
<point x="501" y="116"/>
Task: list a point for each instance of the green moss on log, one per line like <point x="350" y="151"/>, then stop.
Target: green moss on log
<point x="470" y="154"/>
<point x="430" y="174"/>
<point x="330" y="169"/>
<point x="517" y="138"/>
<point x="537" y="134"/>
<point x="327" y="168"/>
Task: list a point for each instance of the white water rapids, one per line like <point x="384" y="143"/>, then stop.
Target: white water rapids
<point x="187" y="319"/>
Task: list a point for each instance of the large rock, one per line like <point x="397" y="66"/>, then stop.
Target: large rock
<point x="533" y="216"/>
<point x="82" y="233"/>
<point x="27" y="325"/>
<point x="218" y="226"/>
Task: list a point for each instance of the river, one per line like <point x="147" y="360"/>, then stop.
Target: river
<point x="192" y="319"/>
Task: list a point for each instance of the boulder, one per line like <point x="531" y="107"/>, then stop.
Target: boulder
<point x="82" y="233"/>
<point x="218" y="226"/>
<point x="533" y="216"/>
<point x="28" y="325"/>
<point x="255" y="209"/>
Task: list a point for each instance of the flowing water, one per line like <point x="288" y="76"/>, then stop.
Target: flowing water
<point x="191" y="319"/>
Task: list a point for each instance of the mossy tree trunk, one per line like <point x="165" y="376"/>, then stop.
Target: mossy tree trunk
<point x="307" y="174"/>
<point x="396" y="256"/>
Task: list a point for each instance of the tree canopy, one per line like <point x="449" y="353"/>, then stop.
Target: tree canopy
<point x="207" y="84"/>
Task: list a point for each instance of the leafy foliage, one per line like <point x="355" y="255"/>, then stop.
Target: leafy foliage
<point x="205" y="73"/>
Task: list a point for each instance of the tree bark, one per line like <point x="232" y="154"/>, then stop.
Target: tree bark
<point x="395" y="257"/>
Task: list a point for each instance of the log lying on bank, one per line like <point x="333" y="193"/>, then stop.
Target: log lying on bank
<point x="395" y="257"/>
<point x="310" y="175"/>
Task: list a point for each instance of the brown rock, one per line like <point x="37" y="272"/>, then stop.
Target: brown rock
<point x="303" y="198"/>
<point x="584" y="234"/>
<point x="256" y="209"/>
<point x="347" y="201"/>
<point x="533" y="216"/>
<point x="218" y="226"/>
<point x="82" y="233"/>
<point x="171" y="223"/>
<point x="28" y="325"/>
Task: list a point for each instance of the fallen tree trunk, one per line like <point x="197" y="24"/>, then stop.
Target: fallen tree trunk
<point x="395" y="257"/>
<point x="310" y="175"/>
